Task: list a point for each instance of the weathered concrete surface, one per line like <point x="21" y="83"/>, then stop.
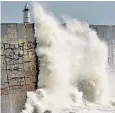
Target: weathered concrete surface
<point x="18" y="69"/>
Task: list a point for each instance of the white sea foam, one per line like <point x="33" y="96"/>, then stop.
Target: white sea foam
<point x="73" y="65"/>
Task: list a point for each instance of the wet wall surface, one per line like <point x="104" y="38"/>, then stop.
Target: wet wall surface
<point x="107" y="33"/>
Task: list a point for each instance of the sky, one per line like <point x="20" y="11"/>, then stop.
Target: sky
<point x="98" y="13"/>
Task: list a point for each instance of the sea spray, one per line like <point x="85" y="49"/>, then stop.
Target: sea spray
<point x="93" y="73"/>
<point x="72" y="60"/>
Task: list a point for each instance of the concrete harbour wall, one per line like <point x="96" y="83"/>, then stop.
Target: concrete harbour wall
<point x="107" y="33"/>
<point x="19" y="63"/>
<point x="18" y="69"/>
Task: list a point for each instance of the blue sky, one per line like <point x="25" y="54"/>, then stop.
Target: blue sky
<point x="92" y="12"/>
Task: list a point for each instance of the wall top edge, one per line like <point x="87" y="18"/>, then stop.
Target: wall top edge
<point x="61" y="24"/>
<point x="100" y="25"/>
<point x="18" y="23"/>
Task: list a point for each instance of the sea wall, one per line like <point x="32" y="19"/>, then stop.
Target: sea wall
<point x="107" y="33"/>
<point x="19" y="63"/>
<point x="18" y="69"/>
